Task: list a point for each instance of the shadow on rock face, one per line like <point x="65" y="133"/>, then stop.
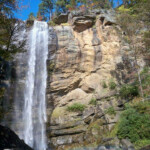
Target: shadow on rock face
<point x="9" y="140"/>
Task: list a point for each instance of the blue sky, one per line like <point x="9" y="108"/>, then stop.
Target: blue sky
<point x="32" y="6"/>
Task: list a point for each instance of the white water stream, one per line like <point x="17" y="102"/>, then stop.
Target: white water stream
<point x="34" y="111"/>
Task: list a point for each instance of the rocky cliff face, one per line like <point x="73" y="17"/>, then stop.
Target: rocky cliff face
<point x="88" y="61"/>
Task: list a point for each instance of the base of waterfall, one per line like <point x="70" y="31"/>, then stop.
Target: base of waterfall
<point x="10" y="140"/>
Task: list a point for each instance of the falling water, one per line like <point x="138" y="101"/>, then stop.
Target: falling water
<point x="34" y="111"/>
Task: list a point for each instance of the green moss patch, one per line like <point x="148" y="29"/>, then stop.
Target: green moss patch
<point x="76" y="107"/>
<point x="59" y="111"/>
<point x="93" y="101"/>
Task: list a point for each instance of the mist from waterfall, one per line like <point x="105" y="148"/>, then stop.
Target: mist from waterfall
<point x="34" y="109"/>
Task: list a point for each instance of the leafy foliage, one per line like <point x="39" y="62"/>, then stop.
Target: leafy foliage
<point x="104" y="85"/>
<point x="7" y="7"/>
<point x="142" y="107"/>
<point x="134" y="125"/>
<point x="46" y="8"/>
<point x="76" y="107"/>
<point x="51" y="23"/>
<point x="142" y="143"/>
<point x="31" y="16"/>
<point x="10" y="43"/>
<point x="128" y="91"/>
<point x="93" y="101"/>
<point x="9" y="37"/>
<point x="61" y="5"/>
<point x="112" y="84"/>
<point x="110" y="111"/>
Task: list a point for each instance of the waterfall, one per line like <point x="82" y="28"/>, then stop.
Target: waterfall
<point x="34" y="110"/>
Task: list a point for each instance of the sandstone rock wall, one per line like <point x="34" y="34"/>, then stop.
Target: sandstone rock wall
<point x="83" y="56"/>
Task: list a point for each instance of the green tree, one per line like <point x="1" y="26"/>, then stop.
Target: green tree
<point x="134" y="125"/>
<point x="72" y="4"/>
<point x="31" y="16"/>
<point x="103" y="3"/>
<point x="9" y="38"/>
<point x="7" y="6"/>
<point x="133" y="24"/>
<point x="61" y="6"/>
<point x="46" y="8"/>
<point x="9" y="27"/>
<point x="10" y="42"/>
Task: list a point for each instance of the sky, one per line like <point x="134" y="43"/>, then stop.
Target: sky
<point x="31" y="6"/>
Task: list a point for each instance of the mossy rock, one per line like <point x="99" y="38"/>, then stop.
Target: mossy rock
<point x="58" y="112"/>
<point x="96" y="131"/>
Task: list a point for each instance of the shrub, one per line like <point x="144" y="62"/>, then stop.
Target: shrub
<point x="110" y="111"/>
<point x="76" y="107"/>
<point x="104" y="85"/>
<point x="93" y="101"/>
<point x="142" y="107"/>
<point x="123" y="9"/>
<point x="114" y="131"/>
<point x="129" y="91"/>
<point x="112" y="85"/>
<point x="142" y="143"/>
<point x="51" y="23"/>
<point x="134" y="125"/>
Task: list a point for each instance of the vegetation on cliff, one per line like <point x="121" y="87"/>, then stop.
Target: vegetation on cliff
<point x="134" y="124"/>
<point x="133" y="19"/>
<point x="76" y="107"/>
<point x="9" y="41"/>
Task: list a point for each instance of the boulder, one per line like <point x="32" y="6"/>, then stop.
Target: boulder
<point x="107" y="17"/>
<point x="10" y="140"/>
<point x="62" y="18"/>
<point x="83" y="22"/>
<point x="127" y="145"/>
<point x="91" y="83"/>
<point x="75" y="95"/>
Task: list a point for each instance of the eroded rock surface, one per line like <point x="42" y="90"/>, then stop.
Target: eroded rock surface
<point x="84" y="55"/>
